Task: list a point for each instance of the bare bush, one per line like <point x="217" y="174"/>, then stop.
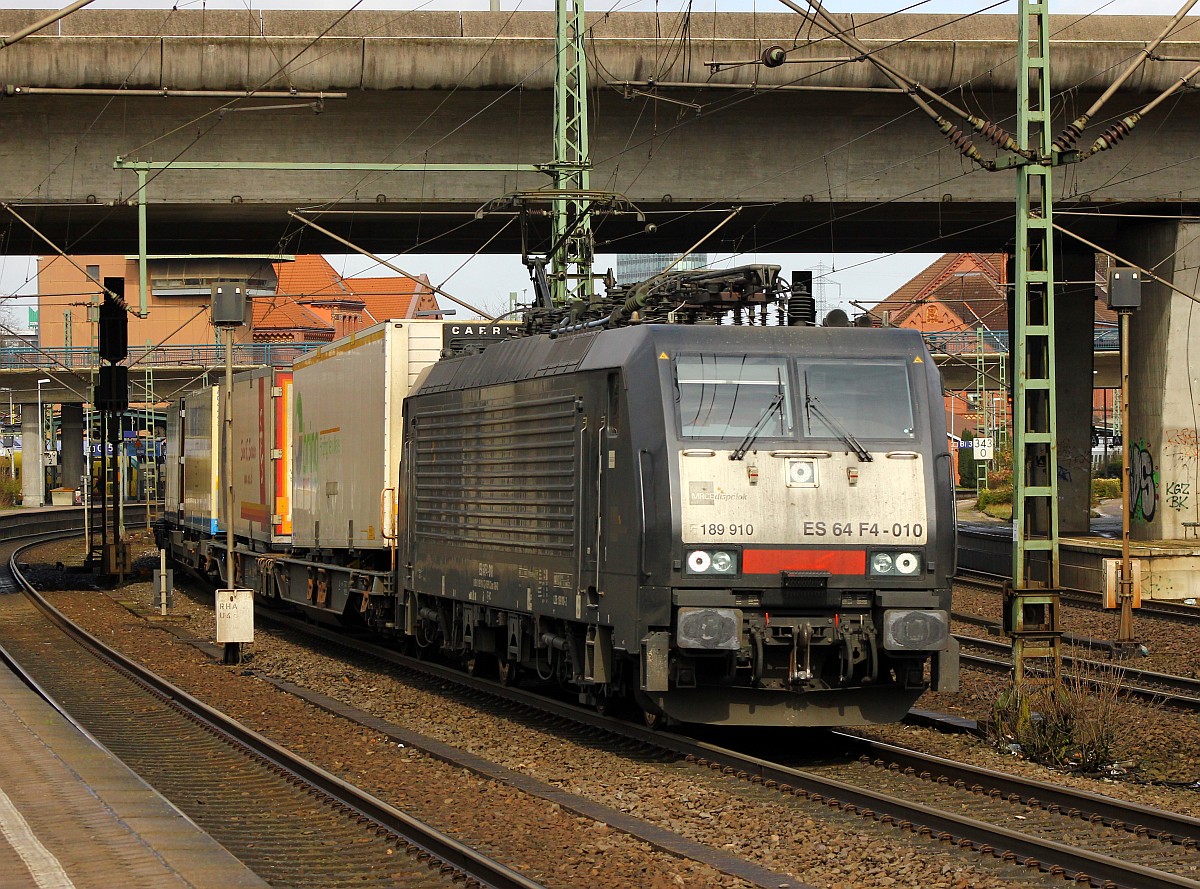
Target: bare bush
<point x="1070" y="726"/>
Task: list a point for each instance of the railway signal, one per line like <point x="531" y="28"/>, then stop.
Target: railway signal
<point x="228" y="312"/>
<point x="1125" y="295"/>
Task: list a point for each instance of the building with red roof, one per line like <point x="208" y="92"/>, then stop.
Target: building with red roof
<point x="312" y="302"/>
<point x="960" y="305"/>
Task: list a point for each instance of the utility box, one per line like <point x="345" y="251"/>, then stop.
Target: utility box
<point x="235" y="616"/>
<point x="1124" y="288"/>
<point x="228" y="305"/>
<point x="1112" y="586"/>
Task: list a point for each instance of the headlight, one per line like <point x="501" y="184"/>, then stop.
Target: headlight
<point x="915" y="630"/>
<point x="711" y="628"/>
<point x="712" y="562"/>
<point x="892" y="564"/>
<point x="802" y="473"/>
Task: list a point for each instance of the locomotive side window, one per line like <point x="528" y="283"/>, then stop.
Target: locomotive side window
<point x="868" y="400"/>
<point x="730" y="396"/>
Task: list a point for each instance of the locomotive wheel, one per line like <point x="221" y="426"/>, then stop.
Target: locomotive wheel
<point x="478" y="663"/>
<point x="652" y="717"/>
<point x="654" y="720"/>
<point x="606" y="705"/>
<point x="508" y="672"/>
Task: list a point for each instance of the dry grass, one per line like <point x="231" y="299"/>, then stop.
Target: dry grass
<point x="1071" y="726"/>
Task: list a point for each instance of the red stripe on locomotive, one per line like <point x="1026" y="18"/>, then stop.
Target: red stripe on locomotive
<point x="835" y="561"/>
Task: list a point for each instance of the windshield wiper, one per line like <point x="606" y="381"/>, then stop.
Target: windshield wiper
<point x="813" y="404"/>
<point x="752" y="435"/>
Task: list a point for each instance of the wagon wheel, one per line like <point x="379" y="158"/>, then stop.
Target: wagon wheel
<point x="654" y="719"/>
<point x="605" y="705"/>
<point x="508" y="672"/>
<point x="478" y="663"/>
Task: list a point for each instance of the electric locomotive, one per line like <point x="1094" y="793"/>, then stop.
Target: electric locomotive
<point x="743" y="524"/>
<point x="731" y="524"/>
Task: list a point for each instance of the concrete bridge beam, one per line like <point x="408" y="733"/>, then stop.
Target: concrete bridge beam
<point x="848" y="171"/>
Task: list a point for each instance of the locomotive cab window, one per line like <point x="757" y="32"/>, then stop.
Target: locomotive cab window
<point x="871" y="400"/>
<point x="731" y="396"/>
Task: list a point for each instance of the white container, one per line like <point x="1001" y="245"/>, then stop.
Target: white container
<point x="172" y="464"/>
<point x="262" y="455"/>
<point x="201" y="483"/>
<point x="347" y="431"/>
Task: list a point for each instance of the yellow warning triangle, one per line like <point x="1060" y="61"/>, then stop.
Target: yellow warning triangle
<point x="663" y="357"/>
<point x="918" y="360"/>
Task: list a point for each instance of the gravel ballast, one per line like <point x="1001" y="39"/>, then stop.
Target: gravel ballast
<point x="820" y="847"/>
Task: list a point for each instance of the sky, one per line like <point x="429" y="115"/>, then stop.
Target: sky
<point x="487" y="281"/>
<point x="1116" y="7"/>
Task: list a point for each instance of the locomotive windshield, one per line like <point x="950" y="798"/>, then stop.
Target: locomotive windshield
<point x="730" y="396"/>
<point x="866" y="400"/>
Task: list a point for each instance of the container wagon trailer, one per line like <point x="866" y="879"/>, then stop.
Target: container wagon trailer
<point x="741" y="525"/>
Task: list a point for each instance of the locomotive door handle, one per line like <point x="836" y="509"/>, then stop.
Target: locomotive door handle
<point x="387" y="514"/>
<point x="600" y="505"/>
<point x="642" y="455"/>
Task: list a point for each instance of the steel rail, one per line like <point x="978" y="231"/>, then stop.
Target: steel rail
<point x="1028" y="850"/>
<point x="1157" y="608"/>
<point x="1173" y="691"/>
<point x="1180" y="829"/>
<point x="462" y="858"/>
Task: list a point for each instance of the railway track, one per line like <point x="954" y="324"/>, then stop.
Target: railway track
<point x="1160" y="689"/>
<point x="1090" y="844"/>
<point x="1174" y="611"/>
<point x="1074" y="835"/>
<point x="291" y="822"/>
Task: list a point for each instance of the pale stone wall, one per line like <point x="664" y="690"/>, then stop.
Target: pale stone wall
<point x="1164" y="411"/>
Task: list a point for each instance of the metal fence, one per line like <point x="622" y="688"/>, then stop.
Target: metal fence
<point x="967" y="342"/>
<point x="244" y="354"/>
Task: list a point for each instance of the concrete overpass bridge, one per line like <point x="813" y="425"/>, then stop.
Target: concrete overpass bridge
<point x="822" y="154"/>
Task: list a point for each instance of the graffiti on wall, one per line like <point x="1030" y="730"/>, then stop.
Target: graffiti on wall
<point x="1143" y="487"/>
<point x="1183" y="447"/>
<point x="1181" y="452"/>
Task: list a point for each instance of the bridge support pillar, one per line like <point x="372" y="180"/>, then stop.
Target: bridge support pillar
<point x="1163" y="426"/>
<point x="33" y="475"/>
<point x="72" y="444"/>
<point x="1075" y="310"/>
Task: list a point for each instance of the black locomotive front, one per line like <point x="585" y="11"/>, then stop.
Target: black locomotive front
<point x="812" y="523"/>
